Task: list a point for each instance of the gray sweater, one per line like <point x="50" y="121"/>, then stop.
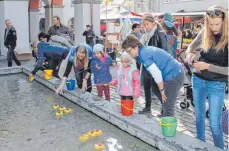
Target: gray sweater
<point x="196" y="43"/>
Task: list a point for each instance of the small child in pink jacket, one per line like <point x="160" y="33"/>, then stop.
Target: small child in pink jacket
<point x="128" y="79"/>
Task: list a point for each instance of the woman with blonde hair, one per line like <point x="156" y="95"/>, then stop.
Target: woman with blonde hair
<point x="79" y="59"/>
<point x="210" y="73"/>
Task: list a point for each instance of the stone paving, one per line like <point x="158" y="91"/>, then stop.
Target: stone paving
<point x="186" y="119"/>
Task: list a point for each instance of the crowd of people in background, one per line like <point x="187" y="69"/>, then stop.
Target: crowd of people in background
<point x="148" y="61"/>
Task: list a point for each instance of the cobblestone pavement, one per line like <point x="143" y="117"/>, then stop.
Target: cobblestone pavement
<point x="186" y="118"/>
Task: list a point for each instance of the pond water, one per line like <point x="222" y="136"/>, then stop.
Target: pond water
<point x="28" y="122"/>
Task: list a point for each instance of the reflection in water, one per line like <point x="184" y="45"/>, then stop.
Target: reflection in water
<point x="113" y="144"/>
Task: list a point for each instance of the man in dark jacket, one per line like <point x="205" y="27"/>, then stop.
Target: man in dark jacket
<point x="60" y="29"/>
<point x="90" y="35"/>
<point x="10" y="42"/>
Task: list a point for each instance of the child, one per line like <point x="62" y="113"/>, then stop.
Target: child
<point x="100" y="68"/>
<point x="128" y="79"/>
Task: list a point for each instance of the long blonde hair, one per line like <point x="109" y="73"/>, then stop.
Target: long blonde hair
<point x="208" y="37"/>
<point x="82" y="49"/>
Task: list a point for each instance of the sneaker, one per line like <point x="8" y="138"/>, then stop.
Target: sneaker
<point x="145" y="110"/>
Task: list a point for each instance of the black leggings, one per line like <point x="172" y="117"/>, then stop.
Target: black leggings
<point x="79" y="80"/>
<point x="149" y="83"/>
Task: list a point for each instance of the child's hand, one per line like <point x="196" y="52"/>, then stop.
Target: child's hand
<point x="97" y="66"/>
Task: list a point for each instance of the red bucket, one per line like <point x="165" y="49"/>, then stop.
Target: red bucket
<point x="127" y="107"/>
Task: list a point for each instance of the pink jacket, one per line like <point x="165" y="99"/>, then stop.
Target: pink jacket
<point x="134" y="83"/>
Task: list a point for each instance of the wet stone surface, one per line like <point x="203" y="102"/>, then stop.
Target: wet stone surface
<point x="28" y="122"/>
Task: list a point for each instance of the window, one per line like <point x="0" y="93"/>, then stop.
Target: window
<point x="169" y="1"/>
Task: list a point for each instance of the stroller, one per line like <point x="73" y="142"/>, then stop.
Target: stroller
<point x="185" y="104"/>
<point x="188" y="85"/>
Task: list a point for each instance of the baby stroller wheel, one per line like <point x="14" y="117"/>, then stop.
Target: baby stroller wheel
<point x="184" y="105"/>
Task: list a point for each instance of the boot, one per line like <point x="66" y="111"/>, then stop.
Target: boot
<point x="145" y="110"/>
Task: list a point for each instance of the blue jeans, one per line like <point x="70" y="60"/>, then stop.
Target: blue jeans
<point x="214" y="91"/>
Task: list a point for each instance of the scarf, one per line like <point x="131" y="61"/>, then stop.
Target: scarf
<point x="146" y="37"/>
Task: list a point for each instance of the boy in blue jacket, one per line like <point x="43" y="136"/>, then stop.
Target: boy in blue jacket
<point x="167" y="73"/>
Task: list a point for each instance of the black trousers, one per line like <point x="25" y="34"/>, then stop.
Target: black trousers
<point x="149" y="84"/>
<point x="11" y="55"/>
<point x="80" y="74"/>
<point x="55" y="61"/>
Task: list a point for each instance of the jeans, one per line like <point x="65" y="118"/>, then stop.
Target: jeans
<point x="214" y="91"/>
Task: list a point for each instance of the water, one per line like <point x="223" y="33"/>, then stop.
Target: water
<point x="28" y="122"/>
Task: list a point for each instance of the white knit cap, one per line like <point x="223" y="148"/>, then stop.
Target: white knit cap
<point x="98" y="48"/>
<point x="126" y="56"/>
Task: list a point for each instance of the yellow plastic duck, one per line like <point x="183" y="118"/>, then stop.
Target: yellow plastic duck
<point x="68" y="111"/>
<point x="84" y="138"/>
<point x="59" y="114"/>
<point x="98" y="132"/>
<point x="56" y="107"/>
<point x="99" y="146"/>
<point x="92" y="133"/>
<point x="31" y="78"/>
<point x="62" y="108"/>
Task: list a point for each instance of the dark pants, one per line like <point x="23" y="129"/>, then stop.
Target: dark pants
<point x="106" y="89"/>
<point x="55" y="61"/>
<point x="11" y="55"/>
<point x="79" y="79"/>
<point x="149" y="84"/>
<point x="172" y="89"/>
<point x="91" y="43"/>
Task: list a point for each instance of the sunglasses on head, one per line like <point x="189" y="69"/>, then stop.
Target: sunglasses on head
<point x="214" y="12"/>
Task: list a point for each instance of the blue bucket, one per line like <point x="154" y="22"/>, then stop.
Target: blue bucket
<point x="70" y="84"/>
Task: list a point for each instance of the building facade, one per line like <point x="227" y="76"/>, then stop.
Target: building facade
<point x="173" y="6"/>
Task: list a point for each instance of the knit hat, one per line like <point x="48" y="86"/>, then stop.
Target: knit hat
<point x="98" y="48"/>
<point x="125" y="55"/>
<point x="168" y="17"/>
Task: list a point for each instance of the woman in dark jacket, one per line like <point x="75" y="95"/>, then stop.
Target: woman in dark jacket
<point x="154" y="36"/>
<point x="211" y="72"/>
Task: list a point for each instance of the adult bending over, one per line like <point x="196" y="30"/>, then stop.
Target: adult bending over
<point x="165" y="70"/>
<point x="79" y="58"/>
<point x="51" y="54"/>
